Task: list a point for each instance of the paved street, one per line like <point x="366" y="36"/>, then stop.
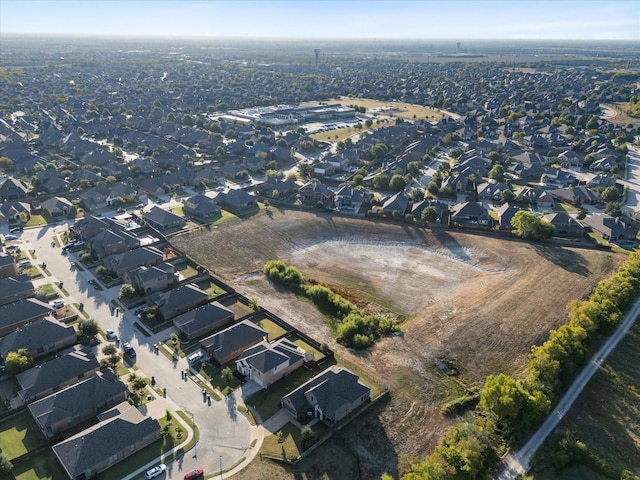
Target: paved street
<point x="225" y="434"/>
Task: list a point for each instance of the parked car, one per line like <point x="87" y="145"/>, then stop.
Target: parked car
<point x="111" y="335"/>
<point x="155" y="471"/>
<point x="24" y="264"/>
<point x="15" y="229"/>
<point x="130" y="352"/>
<point x="197" y="473"/>
<point x="57" y="303"/>
<point x="10" y="237"/>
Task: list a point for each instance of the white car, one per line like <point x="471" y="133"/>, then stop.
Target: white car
<point x="10" y="237"/>
<point x="57" y="303"/>
<point x="111" y="335"/>
<point x="155" y="471"/>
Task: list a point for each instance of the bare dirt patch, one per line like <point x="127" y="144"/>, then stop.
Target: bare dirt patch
<point x="476" y="300"/>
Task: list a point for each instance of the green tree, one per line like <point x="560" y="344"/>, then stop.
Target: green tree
<point x="613" y="209"/>
<point x="187" y="120"/>
<point x="127" y="291"/>
<point x="88" y="327"/>
<point x="413" y="168"/>
<point x="497" y="173"/>
<point x="137" y="383"/>
<point x="18" y="361"/>
<point x="429" y="214"/>
<point x="381" y="182"/>
<point x="397" y="183"/>
<point x="305" y="170"/>
<point x="109" y="349"/>
<point x="226" y="374"/>
<point x="417" y="194"/>
<point x="5" y="466"/>
<point x="6" y="164"/>
<point x="610" y="194"/>
<point x="507" y="196"/>
<point x="528" y="225"/>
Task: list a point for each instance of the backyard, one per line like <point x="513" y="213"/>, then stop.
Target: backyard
<point x="19" y="434"/>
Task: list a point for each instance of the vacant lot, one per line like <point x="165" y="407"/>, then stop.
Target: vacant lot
<point x="394" y="109"/>
<point x="478" y="301"/>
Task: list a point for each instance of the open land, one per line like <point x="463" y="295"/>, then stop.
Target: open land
<point x="475" y="300"/>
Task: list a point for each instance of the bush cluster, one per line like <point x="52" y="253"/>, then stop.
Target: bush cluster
<point x="277" y="271"/>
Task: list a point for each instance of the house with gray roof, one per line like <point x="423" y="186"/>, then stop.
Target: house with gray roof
<point x="227" y="344"/>
<point x="576" y="195"/>
<point x="612" y="229"/>
<point x="329" y="396"/>
<point x="55" y="374"/>
<point x="179" y="300"/>
<point x="161" y="219"/>
<point x="13" y="189"/>
<point x="505" y="214"/>
<point x="18" y="314"/>
<point x="40" y="338"/>
<point x="201" y="207"/>
<point x="15" y="288"/>
<point x="8" y="266"/>
<point x="152" y="279"/>
<point x="398" y="202"/>
<point x="11" y="210"/>
<point x="564" y="225"/>
<point x="127" y="261"/>
<point x="470" y="213"/>
<point x="120" y="432"/>
<point x="238" y="202"/>
<point x="203" y="320"/>
<point x="113" y="241"/>
<point x="266" y="363"/>
<point x="57" y="206"/>
<point x="77" y="403"/>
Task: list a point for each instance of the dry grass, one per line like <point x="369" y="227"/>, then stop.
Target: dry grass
<point x="407" y="111"/>
<point x="478" y="301"/>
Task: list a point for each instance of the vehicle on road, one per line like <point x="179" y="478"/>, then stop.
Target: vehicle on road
<point x="129" y="351"/>
<point x="155" y="471"/>
<point x="197" y="473"/>
<point x="111" y="335"/>
<point x="15" y="229"/>
<point x="57" y="303"/>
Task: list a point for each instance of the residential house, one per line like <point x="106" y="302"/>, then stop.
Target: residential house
<point x="127" y="261"/>
<point x="151" y="279"/>
<point x="11" y="210"/>
<point x="571" y="159"/>
<point x="58" y="206"/>
<point x="351" y="199"/>
<point x="8" y="267"/>
<point x="40" y="338"/>
<point x="203" y="320"/>
<point x="88" y="227"/>
<point x="13" y="189"/>
<point x="323" y="170"/>
<point x="315" y="191"/>
<point x="113" y="241"/>
<point x="564" y="225"/>
<point x="470" y="213"/>
<point x="442" y="209"/>
<point x="227" y="344"/>
<point x="121" y="432"/>
<point x="603" y="164"/>
<point x="15" y="288"/>
<point x="266" y="363"/>
<point x="161" y="219"/>
<point x="18" y="314"/>
<point x="78" y="403"/>
<point x="544" y="200"/>
<point x="179" y="300"/>
<point x="237" y="202"/>
<point x="492" y="190"/>
<point x="95" y="197"/>
<point x="612" y="229"/>
<point x="505" y="214"/>
<point x="576" y="195"/>
<point x="201" y="207"/>
<point x="555" y="177"/>
<point x="55" y="374"/>
<point x="602" y="181"/>
<point x="329" y="396"/>
<point x="283" y="188"/>
<point x="398" y="202"/>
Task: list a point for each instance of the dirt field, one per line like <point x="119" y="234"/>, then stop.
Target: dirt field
<point x="478" y="301"/>
<point x="619" y="117"/>
<point x="394" y="109"/>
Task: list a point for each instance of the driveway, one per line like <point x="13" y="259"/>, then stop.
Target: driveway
<point x="225" y="434"/>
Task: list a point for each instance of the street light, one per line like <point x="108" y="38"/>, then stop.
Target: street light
<point x="220" y="467"/>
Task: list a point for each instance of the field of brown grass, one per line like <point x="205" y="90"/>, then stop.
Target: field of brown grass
<point x="478" y="301"/>
<point x="407" y="111"/>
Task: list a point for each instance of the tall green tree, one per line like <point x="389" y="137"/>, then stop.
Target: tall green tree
<point x="528" y="225"/>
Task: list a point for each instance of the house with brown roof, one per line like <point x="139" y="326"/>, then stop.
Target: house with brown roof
<point x="564" y="225"/>
<point x="179" y="300"/>
<point x="39" y="338"/>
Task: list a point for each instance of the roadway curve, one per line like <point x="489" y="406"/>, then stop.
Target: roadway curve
<point x="517" y="463"/>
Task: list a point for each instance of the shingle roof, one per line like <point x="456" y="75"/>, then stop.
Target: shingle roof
<point x="233" y="338"/>
<point x="201" y="317"/>
<point x="55" y="372"/>
<point x="107" y="439"/>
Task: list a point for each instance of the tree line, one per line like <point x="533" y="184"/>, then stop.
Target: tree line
<point x="352" y="327"/>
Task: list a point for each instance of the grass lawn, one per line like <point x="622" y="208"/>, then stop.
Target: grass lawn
<point x="238" y="308"/>
<point x="267" y="402"/>
<point x="47" y="289"/>
<point x="187" y="271"/>
<point x="19" y="435"/>
<point x="178" y="210"/>
<point x="317" y="354"/>
<point x="35" y="221"/>
<point x="273" y="329"/>
<point x="214" y="375"/>
<point x="291" y="446"/>
<point x="32" y="271"/>
<point x="211" y="288"/>
<point x="42" y="467"/>
<point x="564" y="207"/>
<point x="222" y="218"/>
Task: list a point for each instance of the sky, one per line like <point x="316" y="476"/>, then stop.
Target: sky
<point x="362" y="19"/>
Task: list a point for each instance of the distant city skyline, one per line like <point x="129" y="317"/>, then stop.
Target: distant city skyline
<point x="358" y="19"/>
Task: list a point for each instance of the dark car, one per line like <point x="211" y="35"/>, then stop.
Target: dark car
<point x="197" y="473"/>
<point x="128" y="350"/>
